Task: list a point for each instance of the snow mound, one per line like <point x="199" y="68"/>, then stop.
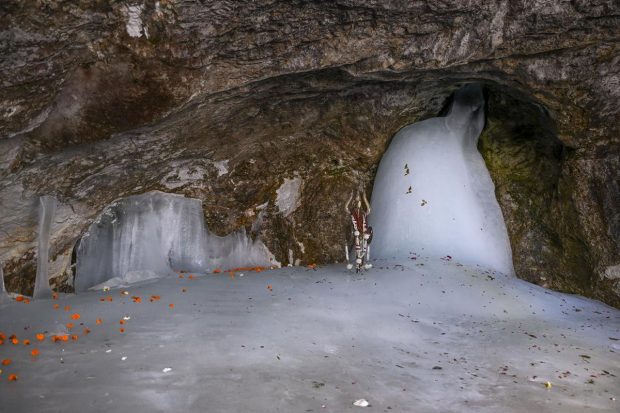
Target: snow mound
<point x="434" y="195"/>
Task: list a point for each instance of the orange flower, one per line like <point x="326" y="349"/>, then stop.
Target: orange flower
<point x="74" y="337"/>
<point x="26" y="342"/>
<point x="56" y="306"/>
<point x="75" y="316"/>
<point x="181" y="276"/>
<point x="54" y="296"/>
<point x="122" y="321"/>
<point x="99" y="321"/>
<point x="269" y="287"/>
<point x="63" y="337"/>
<point x="191" y="277"/>
<point x="26" y="300"/>
<point x="171" y="305"/>
<point x="15" y="341"/>
<point x="1" y="342"/>
<point x="312" y="266"/>
<point x="12" y="377"/>
<point x="154" y="298"/>
<point x="86" y="330"/>
<point x="35" y="352"/>
<point x="136" y="299"/>
<point x="6" y="362"/>
<point x="217" y="271"/>
<point x="69" y="326"/>
<point x="40" y="337"/>
<point x="122" y="330"/>
<point x="2" y="336"/>
<point x="67" y="308"/>
<point x="19" y="298"/>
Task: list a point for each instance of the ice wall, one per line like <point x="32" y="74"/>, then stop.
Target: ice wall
<point x="433" y="194"/>
<point x="47" y="208"/>
<point x="161" y="233"/>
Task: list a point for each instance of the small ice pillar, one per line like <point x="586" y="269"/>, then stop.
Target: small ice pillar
<point x="433" y="194"/>
<point x="47" y="208"/>
<point x="4" y="296"/>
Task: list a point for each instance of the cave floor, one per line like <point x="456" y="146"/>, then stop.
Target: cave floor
<point x="409" y="336"/>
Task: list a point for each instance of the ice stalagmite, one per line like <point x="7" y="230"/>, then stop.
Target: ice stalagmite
<point x="47" y="208"/>
<point x="153" y="234"/>
<point x="433" y="194"/>
<point x="4" y="296"/>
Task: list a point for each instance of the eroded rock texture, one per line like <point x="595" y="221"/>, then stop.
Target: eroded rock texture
<point x="228" y="100"/>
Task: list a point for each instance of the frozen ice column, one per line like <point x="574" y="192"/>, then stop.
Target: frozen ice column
<point x="47" y="208"/>
<point x="433" y="194"/>
<point x="4" y="296"/>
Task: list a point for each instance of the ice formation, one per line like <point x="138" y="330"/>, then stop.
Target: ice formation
<point x="47" y="208"/>
<point x="161" y="233"/>
<point x="433" y="194"/>
<point x="4" y="296"/>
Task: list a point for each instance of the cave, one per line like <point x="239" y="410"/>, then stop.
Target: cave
<point x="322" y="206"/>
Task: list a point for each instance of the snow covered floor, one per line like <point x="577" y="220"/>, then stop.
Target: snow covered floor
<point x="415" y="336"/>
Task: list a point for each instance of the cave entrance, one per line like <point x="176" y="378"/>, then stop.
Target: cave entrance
<point x="433" y="194"/>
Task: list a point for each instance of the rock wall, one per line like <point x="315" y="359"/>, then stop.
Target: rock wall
<point x="226" y="100"/>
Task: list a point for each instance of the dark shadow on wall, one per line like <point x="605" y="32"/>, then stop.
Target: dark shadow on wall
<point x="527" y="163"/>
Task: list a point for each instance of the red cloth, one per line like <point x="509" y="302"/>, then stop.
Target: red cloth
<point x="359" y="217"/>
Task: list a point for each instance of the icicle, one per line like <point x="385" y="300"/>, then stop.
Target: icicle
<point x="46" y="216"/>
<point x="433" y="194"/>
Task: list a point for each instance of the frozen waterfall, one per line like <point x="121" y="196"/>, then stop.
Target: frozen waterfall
<point x="158" y="233"/>
<point x="47" y="209"/>
<point x="433" y="194"/>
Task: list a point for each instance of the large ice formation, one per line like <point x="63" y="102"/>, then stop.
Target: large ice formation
<point x="47" y="209"/>
<point x="433" y="194"/>
<point x="158" y="232"/>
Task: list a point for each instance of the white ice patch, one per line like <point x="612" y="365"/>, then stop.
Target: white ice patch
<point x="134" y="24"/>
<point x="288" y="195"/>
<point x="612" y="272"/>
<point x="222" y="167"/>
<point x="433" y="194"/>
<point x="158" y="233"/>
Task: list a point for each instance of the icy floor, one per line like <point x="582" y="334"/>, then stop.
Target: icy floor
<point x="419" y="336"/>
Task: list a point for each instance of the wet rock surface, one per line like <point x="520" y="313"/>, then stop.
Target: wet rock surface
<point x="223" y="101"/>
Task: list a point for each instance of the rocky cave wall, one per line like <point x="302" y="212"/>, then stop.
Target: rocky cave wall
<point x="226" y="101"/>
